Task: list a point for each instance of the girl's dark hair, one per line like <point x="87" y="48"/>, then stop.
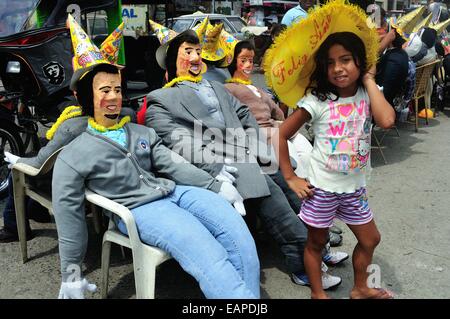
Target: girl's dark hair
<point x="85" y="92"/>
<point x="244" y="44"/>
<point x="172" y="53"/>
<point x="319" y="85"/>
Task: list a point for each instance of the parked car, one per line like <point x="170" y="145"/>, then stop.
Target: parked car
<point x="232" y="24"/>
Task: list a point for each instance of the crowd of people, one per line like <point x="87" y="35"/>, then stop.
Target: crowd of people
<point x="211" y="136"/>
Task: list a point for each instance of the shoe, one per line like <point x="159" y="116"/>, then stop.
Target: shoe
<point x="335" y="229"/>
<point x="335" y="239"/>
<point x="333" y="258"/>
<point x="7" y="236"/>
<point x="328" y="281"/>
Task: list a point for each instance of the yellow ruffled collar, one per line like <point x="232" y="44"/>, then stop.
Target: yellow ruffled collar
<point x="240" y="81"/>
<point x="69" y="112"/>
<point x="181" y="79"/>
<point x="101" y="128"/>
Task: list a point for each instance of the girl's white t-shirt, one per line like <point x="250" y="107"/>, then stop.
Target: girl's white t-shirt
<point x="340" y="158"/>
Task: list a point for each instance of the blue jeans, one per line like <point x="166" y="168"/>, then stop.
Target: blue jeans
<point x="206" y="236"/>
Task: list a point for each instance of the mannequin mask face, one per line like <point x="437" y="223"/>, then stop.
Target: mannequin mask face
<point x="107" y="93"/>
<point x="244" y="64"/>
<point x="189" y="60"/>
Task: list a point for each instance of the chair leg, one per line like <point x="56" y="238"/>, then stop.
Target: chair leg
<point x="379" y="146"/>
<point x="416" y="109"/>
<point x="106" y="254"/>
<point x="396" y="130"/>
<point x="144" y="275"/>
<point x="19" y="203"/>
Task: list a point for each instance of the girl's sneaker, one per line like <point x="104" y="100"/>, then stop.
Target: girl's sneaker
<point x="333" y="258"/>
<point x="328" y="281"/>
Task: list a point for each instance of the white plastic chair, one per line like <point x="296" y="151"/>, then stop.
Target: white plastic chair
<point x="23" y="188"/>
<point x="145" y="258"/>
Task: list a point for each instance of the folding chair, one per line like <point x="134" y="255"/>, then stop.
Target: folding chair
<point x="378" y="142"/>
<point x="146" y="258"/>
<point x="423" y="74"/>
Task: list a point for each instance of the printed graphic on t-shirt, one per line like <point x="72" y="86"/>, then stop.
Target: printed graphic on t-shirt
<point x="348" y="136"/>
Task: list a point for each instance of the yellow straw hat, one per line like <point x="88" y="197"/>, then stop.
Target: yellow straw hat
<point x="290" y="62"/>
<point x="86" y="53"/>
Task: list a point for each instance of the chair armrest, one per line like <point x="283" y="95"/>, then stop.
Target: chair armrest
<point x="26" y="169"/>
<point x="118" y="209"/>
<point x="33" y="171"/>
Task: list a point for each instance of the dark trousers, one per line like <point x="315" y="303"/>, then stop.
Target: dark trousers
<point x="282" y="223"/>
<point x="9" y="213"/>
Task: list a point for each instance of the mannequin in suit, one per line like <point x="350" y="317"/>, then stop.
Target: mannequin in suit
<point x="210" y="128"/>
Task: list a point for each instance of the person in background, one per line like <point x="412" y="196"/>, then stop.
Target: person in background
<point x="297" y="13"/>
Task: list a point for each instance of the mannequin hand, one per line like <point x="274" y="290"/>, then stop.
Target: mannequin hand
<point x="226" y="174"/>
<point x="10" y="158"/>
<point x="231" y="194"/>
<point x="75" y="289"/>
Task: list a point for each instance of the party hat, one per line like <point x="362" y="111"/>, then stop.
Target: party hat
<point x="211" y="50"/>
<point x="407" y="22"/>
<point x="422" y="24"/>
<point x="163" y="33"/>
<point x="227" y="42"/>
<point x="440" y="27"/>
<point x="110" y="47"/>
<point x="87" y="55"/>
<point x="201" y="28"/>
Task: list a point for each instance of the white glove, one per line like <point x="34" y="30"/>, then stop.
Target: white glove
<point x="231" y="194"/>
<point x="225" y="174"/>
<point x="75" y="289"/>
<point x="10" y="158"/>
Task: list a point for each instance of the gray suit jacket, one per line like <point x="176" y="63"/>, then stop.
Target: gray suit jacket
<point x="181" y="119"/>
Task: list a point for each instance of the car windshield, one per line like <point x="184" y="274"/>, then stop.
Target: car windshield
<point x="16" y="16"/>
<point x="180" y="25"/>
<point x="237" y="22"/>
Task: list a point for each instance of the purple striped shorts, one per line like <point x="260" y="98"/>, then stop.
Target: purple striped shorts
<point x="320" y="209"/>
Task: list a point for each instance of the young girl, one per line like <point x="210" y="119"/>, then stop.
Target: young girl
<point x="341" y="99"/>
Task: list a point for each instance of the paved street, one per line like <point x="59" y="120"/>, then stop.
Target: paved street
<point x="410" y="197"/>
